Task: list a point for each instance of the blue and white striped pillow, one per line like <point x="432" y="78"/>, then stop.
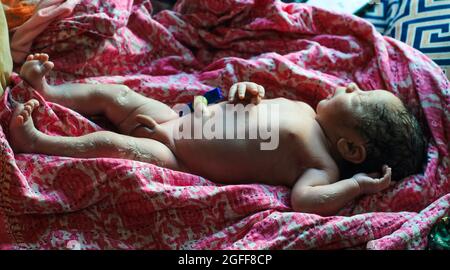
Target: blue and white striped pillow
<point x="423" y="24"/>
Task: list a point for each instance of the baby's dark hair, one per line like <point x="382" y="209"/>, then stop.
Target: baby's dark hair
<point x="393" y="137"/>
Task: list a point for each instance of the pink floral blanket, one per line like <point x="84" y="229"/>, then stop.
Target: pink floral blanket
<point x="295" y="51"/>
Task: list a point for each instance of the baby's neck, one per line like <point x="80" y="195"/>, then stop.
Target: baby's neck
<point x="331" y="146"/>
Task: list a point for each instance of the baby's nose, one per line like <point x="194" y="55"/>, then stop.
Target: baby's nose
<point x="352" y="87"/>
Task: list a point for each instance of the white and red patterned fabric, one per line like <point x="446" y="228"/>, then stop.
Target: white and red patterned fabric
<point x="295" y="51"/>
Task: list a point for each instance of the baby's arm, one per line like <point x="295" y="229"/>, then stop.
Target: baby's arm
<point x="316" y="192"/>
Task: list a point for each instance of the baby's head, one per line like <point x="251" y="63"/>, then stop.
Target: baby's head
<point x="368" y="129"/>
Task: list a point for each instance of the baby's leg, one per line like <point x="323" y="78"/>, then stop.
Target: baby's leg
<point x="25" y="138"/>
<point x="117" y="102"/>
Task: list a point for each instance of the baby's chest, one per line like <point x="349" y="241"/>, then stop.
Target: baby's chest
<point x="302" y="144"/>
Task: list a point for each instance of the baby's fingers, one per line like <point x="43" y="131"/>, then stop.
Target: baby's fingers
<point x="252" y="88"/>
<point x="256" y="92"/>
<point x="241" y="90"/>
<point x="385" y="181"/>
<point x="261" y="91"/>
<point x="232" y="92"/>
<point x="387" y="172"/>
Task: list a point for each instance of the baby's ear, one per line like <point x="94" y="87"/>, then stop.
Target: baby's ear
<point x="351" y="151"/>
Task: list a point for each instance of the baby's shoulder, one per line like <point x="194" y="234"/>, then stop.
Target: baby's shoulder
<point x="306" y="108"/>
<point x="294" y="106"/>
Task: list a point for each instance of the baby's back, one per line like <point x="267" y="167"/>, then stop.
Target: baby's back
<point x="265" y="143"/>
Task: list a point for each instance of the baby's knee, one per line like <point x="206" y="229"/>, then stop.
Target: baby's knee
<point x="114" y="94"/>
<point x="122" y="94"/>
<point x="150" y="151"/>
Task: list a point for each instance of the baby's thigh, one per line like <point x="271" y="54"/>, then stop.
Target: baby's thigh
<point x="157" y="110"/>
<point x="154" y="152"/>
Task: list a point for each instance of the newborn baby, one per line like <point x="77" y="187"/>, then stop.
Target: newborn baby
<point x="344" y="148"/>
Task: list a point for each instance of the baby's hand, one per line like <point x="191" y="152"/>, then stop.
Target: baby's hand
<point x="256" y="91"/>
<point x="371" y="183"/>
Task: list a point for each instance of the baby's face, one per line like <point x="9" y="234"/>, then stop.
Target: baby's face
<point x="342" y="107"/>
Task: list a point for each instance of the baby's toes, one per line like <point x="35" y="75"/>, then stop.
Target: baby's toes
<point x="48" y="65"/>
<point x="42" y="57"/>
<point x="30" y="57"/>
<point x="26" y="112"/>
<point x="28" y="108"/>
<point x="20" y="120"/>
<point x="33" y="103"/>
<point x="23" y="116"/>
<point x="37" y="56"/>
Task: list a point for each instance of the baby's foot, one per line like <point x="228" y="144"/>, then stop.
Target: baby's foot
<point x="23" y="133"/>
<point x="33" y="71"/>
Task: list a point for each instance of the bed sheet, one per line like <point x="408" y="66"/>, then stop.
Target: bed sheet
<point x="294" y="50"/>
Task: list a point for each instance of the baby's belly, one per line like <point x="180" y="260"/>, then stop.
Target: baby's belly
<point x="234" y="147"/>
